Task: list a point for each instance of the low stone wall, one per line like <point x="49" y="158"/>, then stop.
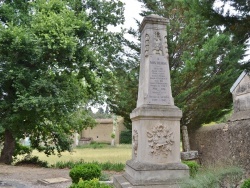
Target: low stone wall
<point x="224" y="143"/>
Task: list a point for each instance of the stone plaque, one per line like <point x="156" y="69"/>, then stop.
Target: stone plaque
<point x="158" y="81"/>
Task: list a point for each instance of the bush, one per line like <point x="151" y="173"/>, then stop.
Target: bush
<point x="118" y="167"/>
<point x="21" y="150"/>
<point x="89" y="184"/>
<point x="246" y="184"/>
<point x="215" y="178"/>
<point x="85" y="171"/>
<point x="193" y="167"/>
<point x="32" y="160"/>
<point x="126" y="137"/>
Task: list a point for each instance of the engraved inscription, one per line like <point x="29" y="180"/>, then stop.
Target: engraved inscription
<point x="159" y="85"/>
<point x="160" y="140"/>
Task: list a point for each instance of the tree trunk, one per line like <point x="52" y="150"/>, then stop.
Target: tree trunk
<point x="8" y="148"/>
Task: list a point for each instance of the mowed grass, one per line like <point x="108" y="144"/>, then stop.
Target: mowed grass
<point x="116" y="154"/>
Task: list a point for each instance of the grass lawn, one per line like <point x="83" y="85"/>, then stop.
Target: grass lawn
<point x="116" y="154"/>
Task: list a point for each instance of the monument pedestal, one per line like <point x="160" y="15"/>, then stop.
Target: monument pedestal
<point x="156" y="149"/>
<point x="151" y="175"/>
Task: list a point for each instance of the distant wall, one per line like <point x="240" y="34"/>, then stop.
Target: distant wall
<point x="225" y="143"/>
<point x="103" y="130"/>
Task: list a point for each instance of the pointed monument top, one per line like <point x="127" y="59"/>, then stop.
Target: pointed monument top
<point x="153" y="19"/>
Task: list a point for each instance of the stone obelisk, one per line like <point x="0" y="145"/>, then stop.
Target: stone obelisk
<point x="156" y="158"/>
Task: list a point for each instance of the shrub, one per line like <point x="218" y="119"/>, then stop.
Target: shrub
<point x="85" y="171"/>
<point x="32" y="160"/>
<point x="118" y="167"/>
<point x="89" y="184"/>
<point x="215" y="178"/>
<point x="193" y="167"/>
<point x="21" y="150"/>
<point x="126" y="137"/>
<point x="246" y="184"/>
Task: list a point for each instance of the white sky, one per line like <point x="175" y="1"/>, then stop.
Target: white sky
<point x="132" y="10"/>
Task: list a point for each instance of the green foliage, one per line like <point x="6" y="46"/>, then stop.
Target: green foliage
<point x="94" y="145"/>
<point x="193" y="167"/>
<point x="32" y="160"/>
<point x="85" y="171"/>
<point x="22" y="150"/>
<point x="246" y="184"/>
<point x="118" y="167"/>
<point x="53" y="57"/>
<point x="215" y="178"/>
<point x="89" y="184"/>
<point x="112" y="135"/>
<point x="126" y="137"/>
<point x="232" y="22"/>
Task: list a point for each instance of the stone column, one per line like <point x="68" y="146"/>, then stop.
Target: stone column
<point x="185" y="139"/>
<point x="187" y="154"/>
<point x="156" y="158"/>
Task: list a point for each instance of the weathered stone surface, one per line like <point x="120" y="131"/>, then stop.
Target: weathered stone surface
<point x="147" y="173"/>
<point x="156" y="158"/>
<point x="189" y="155"/>
<point x="242" y="115"/>
<point x="156" y="111"/>
<point x="241" y="93"/>
<point x="224" y="144"/>
<point x="159" y="82"/>
<point x="121" y="182"/>
<point x="154" y="80"/>
<point x="5" y="185"/>
<point x="185" y="139"/>
<point x="53" y="180"/>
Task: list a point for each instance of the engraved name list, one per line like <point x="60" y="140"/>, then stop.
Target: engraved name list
<point x="158" y="81"/>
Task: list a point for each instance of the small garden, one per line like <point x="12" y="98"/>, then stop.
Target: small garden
<point x="94" y="165"/>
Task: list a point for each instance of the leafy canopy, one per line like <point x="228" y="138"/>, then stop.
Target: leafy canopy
<point x="52" y="61"/>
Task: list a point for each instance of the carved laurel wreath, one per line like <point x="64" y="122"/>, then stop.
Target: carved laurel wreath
<point x="160" y="140"/>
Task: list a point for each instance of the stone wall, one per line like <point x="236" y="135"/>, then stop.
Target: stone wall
<point x="224" y="143"/>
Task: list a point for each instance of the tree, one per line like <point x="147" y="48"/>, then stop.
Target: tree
<point x="203" y="62"/>
<point x="52" y="60"/>
<point x="235" y="20"/>
<point x="121" y="86"/>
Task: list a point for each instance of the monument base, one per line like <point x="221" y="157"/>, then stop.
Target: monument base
<point x="146" y="175"/>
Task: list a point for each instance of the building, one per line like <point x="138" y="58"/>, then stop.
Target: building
<point x="102" y="131"/>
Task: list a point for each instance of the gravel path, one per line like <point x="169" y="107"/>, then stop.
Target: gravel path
<point x="27" y="177"/>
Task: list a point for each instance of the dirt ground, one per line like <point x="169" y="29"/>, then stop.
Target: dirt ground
<point x="28" y="176"/>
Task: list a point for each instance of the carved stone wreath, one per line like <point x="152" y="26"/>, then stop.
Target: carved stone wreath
<point x="160" y="140"/>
